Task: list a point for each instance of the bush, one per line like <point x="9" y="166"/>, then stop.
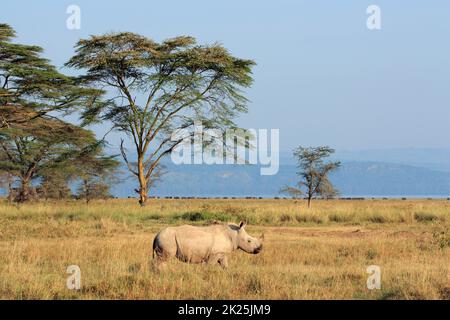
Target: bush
<point x="285" y="218"/>
<point x="377" y="218"/>
<point x="254" y="285"/>
<point x="204" y="216"/>
<point x="424" y="216"/>
<point x="153" y="216"/>
<point x="371" y="254"/>
<point x="308" y="218"/>
<point x="339" y="218"/>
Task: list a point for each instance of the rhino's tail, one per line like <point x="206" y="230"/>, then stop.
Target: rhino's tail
<point x="154" y="247"/>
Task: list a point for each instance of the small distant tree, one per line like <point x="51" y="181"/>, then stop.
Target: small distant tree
<point x="313" y="172"/>
<point x="54" y="185"/>
<point x="6" y="183"/>
<point x="328" y="191"/>
<point x="96" y="171"/>
<point x="91" y="189"/>
<point x="292" y="191"/>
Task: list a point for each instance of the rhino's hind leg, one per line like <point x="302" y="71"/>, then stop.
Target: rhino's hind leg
<point x="160" y="260"/>
<point x="161" y="253"/>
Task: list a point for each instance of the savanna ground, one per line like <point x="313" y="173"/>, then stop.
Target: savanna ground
<point x="317" y="253"/>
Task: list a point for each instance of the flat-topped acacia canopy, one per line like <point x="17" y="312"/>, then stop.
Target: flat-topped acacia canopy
<point x="157" y="88"/>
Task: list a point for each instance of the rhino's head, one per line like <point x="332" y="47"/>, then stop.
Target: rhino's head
<point x="246" y="242"/>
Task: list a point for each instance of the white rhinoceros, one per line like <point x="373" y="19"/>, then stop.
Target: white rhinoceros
<point x="204" y="244"/>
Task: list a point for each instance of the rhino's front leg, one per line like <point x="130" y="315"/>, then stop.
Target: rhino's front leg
<point x="218" y="258"/>
<point x="223" y="261"/>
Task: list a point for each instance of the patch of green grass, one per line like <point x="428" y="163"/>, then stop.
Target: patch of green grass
<point x="153" y="216"/>
<point x="390" y="294"/>
<point x="204" y="216"/>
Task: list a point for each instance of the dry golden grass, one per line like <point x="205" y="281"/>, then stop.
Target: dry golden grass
<point x="320" y="253"/>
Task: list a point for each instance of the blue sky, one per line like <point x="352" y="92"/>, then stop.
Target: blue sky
<point x="322" y="77"/>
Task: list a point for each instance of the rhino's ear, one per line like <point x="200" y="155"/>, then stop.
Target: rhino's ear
<point x="242" y="224"/>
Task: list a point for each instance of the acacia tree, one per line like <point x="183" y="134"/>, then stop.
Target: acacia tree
<point x="33" y="94"/>
<point x="30" y="86"/>
<point x="38" y="146"/>
<point x="158" y="88"/>
<point x="313" y="173"/>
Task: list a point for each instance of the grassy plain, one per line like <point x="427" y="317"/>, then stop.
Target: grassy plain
<point x="317" y="253"/>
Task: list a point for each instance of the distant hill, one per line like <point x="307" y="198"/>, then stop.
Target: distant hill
<point x="431" y="158"/>
<point x="355" y="178"/>
<point x="412" y="172"/>
<point x="387" y="179"/>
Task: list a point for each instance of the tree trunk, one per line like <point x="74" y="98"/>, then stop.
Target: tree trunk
<point x="309" y="202"/>
<point x="10" y="188"/>
<point x="24" y="191"/>
<point x="142" y="182"/>
<point x="86" y="191"/>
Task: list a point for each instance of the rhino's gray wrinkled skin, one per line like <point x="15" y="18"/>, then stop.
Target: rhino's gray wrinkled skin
<point x="208" y="244"/>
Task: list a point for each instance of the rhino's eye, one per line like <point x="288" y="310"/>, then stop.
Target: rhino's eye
<point x="249" y="240"/>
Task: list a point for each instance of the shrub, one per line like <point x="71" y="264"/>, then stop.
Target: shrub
<point x="204" y="216"/>
<point x="254" y="285"/>
<point x="339" y="218"/>
<point x="371" y="254"/>
<point x="195" y="216"/>
<point x="308" y="218"/>
<point x="377" y="218"/>
<point x="285" y="217"/>
<point x="424" y="216"/>
<point x="153" y="216"/>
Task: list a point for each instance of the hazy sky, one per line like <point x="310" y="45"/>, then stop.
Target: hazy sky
<point x="322" y="77"/>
